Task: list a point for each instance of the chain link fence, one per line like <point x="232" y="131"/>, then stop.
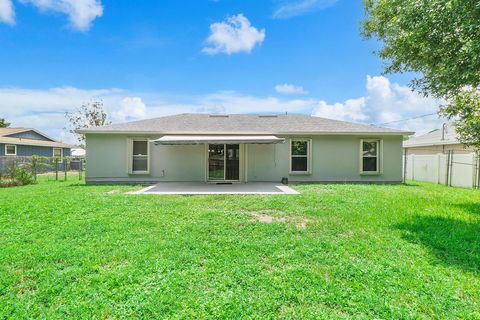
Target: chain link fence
<point x="51" y="167"/>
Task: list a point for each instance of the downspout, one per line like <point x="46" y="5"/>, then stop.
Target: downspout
<point x="405" y="165"/>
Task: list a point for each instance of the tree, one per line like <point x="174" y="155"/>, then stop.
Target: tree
<point x="439" y="40"/>
<point x="4" y="123"/>
<point x="464" y="111"/>
<point x="88" y="115"/>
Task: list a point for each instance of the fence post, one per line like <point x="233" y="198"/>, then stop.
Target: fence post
<point x="56" y="168"/>
<point x="405" y="154"/>
<point x="80" y="169"/>
<point x="34" y="160"/>
<point x="451" y="169"/>
<point x="478" y="170"/>
<point x="447" y="174"/>
<point x="439" y="163"/>
<point x="65" y="164"/>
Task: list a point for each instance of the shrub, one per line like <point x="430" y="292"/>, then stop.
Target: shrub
<point x="23" y="177"/>
<point x="18" y="175"/>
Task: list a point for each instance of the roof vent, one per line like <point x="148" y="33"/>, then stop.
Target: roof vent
<point x="268" y="116"/>
<point x="218" y="116"/>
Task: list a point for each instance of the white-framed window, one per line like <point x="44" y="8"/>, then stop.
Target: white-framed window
<point x="300" y="156"/>
<point x="370" y="156"/>
<point x="58" y="153"/>
<point x="140" y="151"/>
<point x="10" y="150"/>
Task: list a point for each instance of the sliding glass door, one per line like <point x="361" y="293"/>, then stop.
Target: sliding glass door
<point x="232" y="162"/>
<point x="224" y="162"/>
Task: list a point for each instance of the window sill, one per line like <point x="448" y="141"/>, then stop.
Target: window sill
<point x="302" y="173"/>
<point x="139" y="172"/>
<point x="376" y="173"/>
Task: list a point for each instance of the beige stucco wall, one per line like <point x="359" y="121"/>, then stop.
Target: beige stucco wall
<point x="334" y="158"/>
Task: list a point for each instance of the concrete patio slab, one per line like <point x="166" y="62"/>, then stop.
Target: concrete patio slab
<point x="199" y="188"/>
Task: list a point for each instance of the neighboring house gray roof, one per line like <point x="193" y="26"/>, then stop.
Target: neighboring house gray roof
<point x="198" y="123"/>
<point x="444" y="136"/>
<point x="7" y="138"/>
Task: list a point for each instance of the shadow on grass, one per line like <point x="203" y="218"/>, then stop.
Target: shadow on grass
<point x="470" y="207"/>
<point x="454" y="242"/>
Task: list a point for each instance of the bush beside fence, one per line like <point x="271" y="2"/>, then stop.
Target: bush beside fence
<point x="24" y="170"/>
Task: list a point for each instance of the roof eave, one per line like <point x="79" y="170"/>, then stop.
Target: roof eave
<point x="296" y="133"/>
<point x="26" y="143"/>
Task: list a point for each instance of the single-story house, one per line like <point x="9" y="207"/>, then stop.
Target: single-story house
<point x="438" y="141"/>
<point x="26" y="142"/>
<point x="439" y="157"/>
<point x="242" y="148"/>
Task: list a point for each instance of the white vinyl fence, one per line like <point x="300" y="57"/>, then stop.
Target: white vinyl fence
<point x="458" y="170"/>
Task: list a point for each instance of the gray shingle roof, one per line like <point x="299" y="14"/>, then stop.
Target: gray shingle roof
<point x="198" y="123"/>
<point x="446" y="135"/>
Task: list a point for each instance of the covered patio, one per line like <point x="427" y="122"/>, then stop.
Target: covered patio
<point x="202" y="188"/>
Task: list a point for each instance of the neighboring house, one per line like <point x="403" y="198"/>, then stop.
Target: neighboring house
<point x="437" y="141"/>
<point x="241" y="148"/>
<point x="439" y="157"/>
<point x="26" y="142"/>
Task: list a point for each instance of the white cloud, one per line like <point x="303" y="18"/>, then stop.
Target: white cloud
<point x="130" y="108"/>
<point x="7" y="14"/>
<point x="234" y="35"/>
<point x="81" y="13"/>
<point x="350" y="110"/>
<point x="385" y="102"/>
<point x="289" y="8"/>
<point x="290" y="89"/>
<point x="45" y="109"/>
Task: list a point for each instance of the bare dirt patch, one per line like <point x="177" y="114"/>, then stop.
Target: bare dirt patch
<point x="272" y="216"/>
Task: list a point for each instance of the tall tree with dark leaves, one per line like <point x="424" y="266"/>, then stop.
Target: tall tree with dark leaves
<point x="438" y="40"/>
<point x="88" y="115"/>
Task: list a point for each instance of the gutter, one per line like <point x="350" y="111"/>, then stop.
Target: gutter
<point x="324" y="133"/>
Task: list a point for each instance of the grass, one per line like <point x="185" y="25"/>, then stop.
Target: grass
<point x="368" y="251"/>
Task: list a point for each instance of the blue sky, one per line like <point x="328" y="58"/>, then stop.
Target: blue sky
<point x="151" y="58"/>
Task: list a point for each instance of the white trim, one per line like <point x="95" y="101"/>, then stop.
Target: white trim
<point x="35" y="143"/>
<point x="308" y="156"/>
<point x="245" y="177"/>
<point x="379" y="157"/>
<point x="61" y="154"/>
<point x="132" y="156"/>
<point x="206" y="162"/>
<point x="10" y="154"/>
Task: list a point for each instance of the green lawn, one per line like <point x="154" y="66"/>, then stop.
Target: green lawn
<point x="388" y="252"/>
